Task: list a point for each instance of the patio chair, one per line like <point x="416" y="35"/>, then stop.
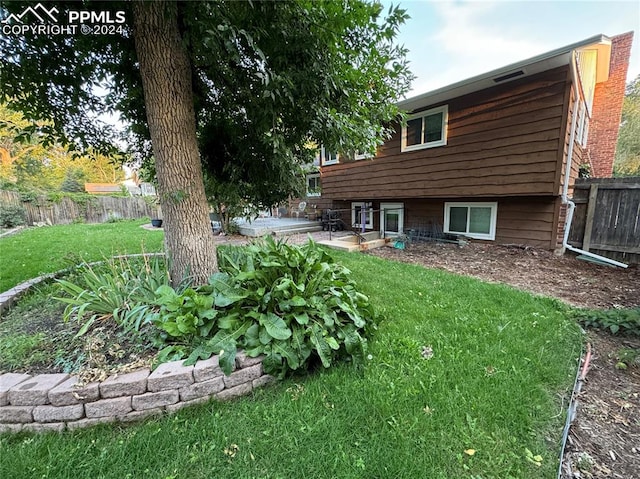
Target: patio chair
<point x="300" y="210"/>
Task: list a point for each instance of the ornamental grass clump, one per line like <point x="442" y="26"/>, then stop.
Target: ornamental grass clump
<point x="121" y="288"/>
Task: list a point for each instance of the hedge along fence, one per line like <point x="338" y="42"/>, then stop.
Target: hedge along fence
<point x="67" y="209"/>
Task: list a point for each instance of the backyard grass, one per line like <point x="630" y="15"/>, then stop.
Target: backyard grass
<point x="34" y="251"/>
<point x="464" y="380"/>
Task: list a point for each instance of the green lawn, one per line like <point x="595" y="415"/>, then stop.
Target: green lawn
<point x="44" y="250"/>
<point x="502" y="368"/>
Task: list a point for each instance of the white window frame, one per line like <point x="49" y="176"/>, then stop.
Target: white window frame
<point x="423" y="114"/>
<point x="583" y="126"/>
<point x="585" y="132"/>
<point x="314" y="175"/>
<point x="355" y="218"/>
<point x="362" y="156"/>
<point x="492" y="227"/>
<point x="399" y="207"/>
<point x="323" y="153"/>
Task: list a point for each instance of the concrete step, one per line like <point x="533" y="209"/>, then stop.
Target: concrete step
<point x="350" y="246"/>
<point x="301" y="229"/>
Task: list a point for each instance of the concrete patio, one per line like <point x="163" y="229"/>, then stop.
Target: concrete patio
<point x="277" y="226"/>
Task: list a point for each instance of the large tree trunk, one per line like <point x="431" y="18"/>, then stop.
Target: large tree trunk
<point x="166" y="80"/>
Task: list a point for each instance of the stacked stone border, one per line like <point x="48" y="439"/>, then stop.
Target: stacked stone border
<point x="57" y="402"/>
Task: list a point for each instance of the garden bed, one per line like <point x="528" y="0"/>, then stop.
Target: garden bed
<point x="538" y="271"/>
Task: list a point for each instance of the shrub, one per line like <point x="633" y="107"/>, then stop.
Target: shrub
<point x="293" y="304"/>
<point x="624" y="321"/>
<point x="12" y="215"/>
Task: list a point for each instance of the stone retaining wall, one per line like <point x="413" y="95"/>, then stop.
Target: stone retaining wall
<point x="53" y="402"/>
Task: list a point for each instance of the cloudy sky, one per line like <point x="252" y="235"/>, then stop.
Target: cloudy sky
<point x="449" y="41"/>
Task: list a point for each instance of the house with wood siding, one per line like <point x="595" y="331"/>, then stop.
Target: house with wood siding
<point x="493" y="157"/>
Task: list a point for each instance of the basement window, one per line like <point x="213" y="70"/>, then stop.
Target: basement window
<point x="475" y="220"/>
<point x="426" y="129"/>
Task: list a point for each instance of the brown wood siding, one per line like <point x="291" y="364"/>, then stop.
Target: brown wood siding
<point x="314" y="204"/>
<point x="503" y="141"/>
<point x="528" y="221"/>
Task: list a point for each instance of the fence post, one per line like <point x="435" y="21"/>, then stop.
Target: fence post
<point x="591" y="209"/>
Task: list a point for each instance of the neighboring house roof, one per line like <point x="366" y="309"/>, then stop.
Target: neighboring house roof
<point x="102" y="188"/>
<point x="537" y="64"/>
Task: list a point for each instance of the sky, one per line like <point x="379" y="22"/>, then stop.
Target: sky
<point x="450" y="41"/>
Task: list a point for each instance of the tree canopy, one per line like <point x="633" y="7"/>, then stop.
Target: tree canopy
<point x="264" y="81"/>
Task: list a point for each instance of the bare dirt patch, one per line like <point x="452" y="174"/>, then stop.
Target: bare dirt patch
<point x="604" y="439"/>
<point x="578" y="283"/>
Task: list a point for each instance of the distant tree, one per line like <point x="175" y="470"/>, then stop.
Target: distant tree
<point x="73" y="181"/>
<point x="250" y="83"/>
<point x="26" y="163"/>
<point x="627" y="159"/>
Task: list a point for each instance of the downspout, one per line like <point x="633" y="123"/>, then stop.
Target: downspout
<point x="567" y="174"/>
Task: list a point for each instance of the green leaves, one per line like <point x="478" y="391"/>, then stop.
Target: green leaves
<point x="186" y="314"/>
<point x="304" y="305"/>
<point x="623" y="321"/>
<point x="120" y="288"/>
<point x="275" y="326"/>
<point x="289" y="303"/>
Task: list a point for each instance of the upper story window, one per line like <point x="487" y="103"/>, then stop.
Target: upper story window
<point x="582" y="125"/>
<point x="587" y="61"/>
<point x="328" y="157"/>
<point x="426" y="129"/>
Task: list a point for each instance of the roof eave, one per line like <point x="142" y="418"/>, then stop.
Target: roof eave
<point x="537" y="64"/>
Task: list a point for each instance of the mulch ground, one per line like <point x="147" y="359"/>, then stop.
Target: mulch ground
<point x="604" y="439"/>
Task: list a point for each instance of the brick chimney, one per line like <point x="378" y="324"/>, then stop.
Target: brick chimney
<point x="607" y="108"/>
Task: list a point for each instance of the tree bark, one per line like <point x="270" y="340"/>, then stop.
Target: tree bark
<point x="166" y="80"/>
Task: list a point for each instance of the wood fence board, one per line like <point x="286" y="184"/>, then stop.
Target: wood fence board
<point x="96" y="209"/>
<point x="607" y="218"/>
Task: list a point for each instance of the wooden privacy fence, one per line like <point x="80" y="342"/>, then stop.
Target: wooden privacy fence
<point x="91" y="209"/>
<point x="606" y="220"/>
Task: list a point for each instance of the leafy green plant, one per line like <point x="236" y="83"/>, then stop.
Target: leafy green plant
<point x="123" y="288"/>
<point x="627" y="357"/>
<point x="623" y="321"/>
<point x="184" y="315"/>
<point x="18" y="350"/>
<point x="291" y="303"/>
<point x="12" y="215"/>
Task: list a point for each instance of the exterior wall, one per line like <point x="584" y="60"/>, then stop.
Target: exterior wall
<point x="579" y="156"/>
<point x="503" y="141"/>
<point x="314" y="204"/>
<point x="528" y="221"/>
<point x="607" y="108"/>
